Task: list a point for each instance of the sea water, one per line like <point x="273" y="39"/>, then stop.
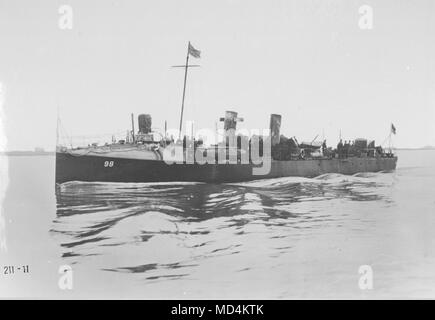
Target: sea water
<point x="268" y="239"/>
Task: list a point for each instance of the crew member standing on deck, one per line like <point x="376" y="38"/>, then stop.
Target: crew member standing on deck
<point x="340" y="149"/>
<point x="346" y="149"/>
<point x="324" y="147"/>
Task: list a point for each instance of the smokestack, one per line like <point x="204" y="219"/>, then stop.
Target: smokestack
<point x="275" y="126"/>
<point x="145" y="122"/>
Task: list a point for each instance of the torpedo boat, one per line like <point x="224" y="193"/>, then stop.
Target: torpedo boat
<point x="149" y="156"/>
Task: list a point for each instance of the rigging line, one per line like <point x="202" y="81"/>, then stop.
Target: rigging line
<point x="65" y="133"/>
<point x="385" y="140"/>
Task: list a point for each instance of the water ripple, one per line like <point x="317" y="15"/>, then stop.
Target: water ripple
<point x="153" y="229"/>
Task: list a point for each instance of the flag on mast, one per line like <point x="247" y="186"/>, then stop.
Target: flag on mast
<point x="393" y="129"/>
<point x="194" y="52"/>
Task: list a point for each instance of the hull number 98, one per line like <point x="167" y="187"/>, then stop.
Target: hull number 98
<point x="108" y="164"/>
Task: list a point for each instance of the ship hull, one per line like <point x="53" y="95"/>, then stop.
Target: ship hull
<point x="108" y="169"/>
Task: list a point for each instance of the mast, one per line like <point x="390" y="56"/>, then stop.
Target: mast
<point x="184" y="89"/>
<point x="196" y="54"/>
<point x="57" y="128"/>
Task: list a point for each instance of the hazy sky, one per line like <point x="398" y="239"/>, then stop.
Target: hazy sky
<point x="307" y="60"/>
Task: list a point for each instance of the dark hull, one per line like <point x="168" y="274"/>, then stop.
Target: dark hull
<point x="91" y="168"/>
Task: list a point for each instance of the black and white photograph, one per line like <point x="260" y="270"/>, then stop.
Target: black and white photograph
<point x="217" y="150"/>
